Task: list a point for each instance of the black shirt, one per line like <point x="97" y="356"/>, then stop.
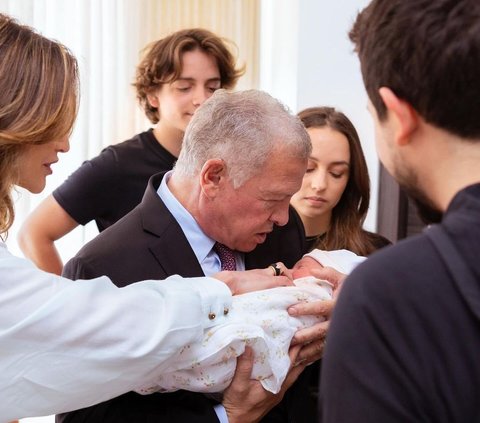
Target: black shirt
<point x="110" y="185"/>
<point x="404" y="345"/>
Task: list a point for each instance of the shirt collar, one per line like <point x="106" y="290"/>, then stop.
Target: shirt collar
<point x="201" y="243"/>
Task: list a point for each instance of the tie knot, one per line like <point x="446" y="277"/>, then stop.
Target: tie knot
<point x="226" y="256"/>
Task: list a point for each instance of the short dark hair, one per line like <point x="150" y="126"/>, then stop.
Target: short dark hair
<point x="428" y="53"/>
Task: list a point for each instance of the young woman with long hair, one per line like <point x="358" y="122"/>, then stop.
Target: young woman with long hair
<point x="335" y="194"/>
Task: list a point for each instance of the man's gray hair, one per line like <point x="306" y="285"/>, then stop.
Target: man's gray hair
<point x="243" y="129"/>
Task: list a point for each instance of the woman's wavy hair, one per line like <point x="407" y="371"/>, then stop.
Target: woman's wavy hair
<point x="349" y="214"/>
<point x="162" y="63"/>
<point x="38" y="101"/>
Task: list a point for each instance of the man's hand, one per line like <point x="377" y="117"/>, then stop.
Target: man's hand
<point x="331" y="275"/>
<point x="313" y="338"/>
<point x="245" y="400"/>
<point x="252" y="280"/>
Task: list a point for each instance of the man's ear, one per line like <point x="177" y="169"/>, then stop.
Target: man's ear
<point x="153" y="99"/>
<point x="212" y="176"/>
<point x="405" y="118"/>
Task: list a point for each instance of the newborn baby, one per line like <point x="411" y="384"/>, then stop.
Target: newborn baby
<point x="258" y="319"/>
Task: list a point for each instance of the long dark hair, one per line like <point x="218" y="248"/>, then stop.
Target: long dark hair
<point x="349" y="214"/>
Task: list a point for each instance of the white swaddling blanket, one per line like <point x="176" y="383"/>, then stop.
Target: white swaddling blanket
<point x="258" y="319"/>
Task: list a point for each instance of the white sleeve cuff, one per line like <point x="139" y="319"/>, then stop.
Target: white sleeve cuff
<point x="215" y="296"/>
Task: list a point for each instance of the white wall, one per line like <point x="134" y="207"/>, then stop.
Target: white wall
<point x="307" y="60"/>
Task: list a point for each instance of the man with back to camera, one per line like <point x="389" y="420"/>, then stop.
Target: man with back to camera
<point x="405" y="335"/>
<point x="243" y="157"/>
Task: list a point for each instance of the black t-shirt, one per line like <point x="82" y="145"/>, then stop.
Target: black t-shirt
<point x="404" y="342"/>
<point x="110" y="185"/>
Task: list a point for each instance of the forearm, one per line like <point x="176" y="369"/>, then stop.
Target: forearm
<point x="41" y="251"/>
<point x="102" y="339"/>
<point x="45" y="225"/>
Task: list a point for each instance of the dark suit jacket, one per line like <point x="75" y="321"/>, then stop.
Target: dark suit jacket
<point x="148" y="243"/>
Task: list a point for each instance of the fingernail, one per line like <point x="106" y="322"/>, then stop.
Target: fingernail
<point x="292" y="311"/>
<point x="299" y="362"/>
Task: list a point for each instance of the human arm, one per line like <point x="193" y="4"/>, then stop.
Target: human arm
<point x="92" y="192"/>
<point x="257" y="319"/>
<point x="241" y="282"/>
<point x="45" y="225"/>
<point x="63" y="348"/>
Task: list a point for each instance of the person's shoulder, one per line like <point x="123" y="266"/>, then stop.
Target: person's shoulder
<point x="115" y="155"/>
<point x="118" y="240"/>
<point x="136" y="144"/>
<point x="142" y="151"/>
<point x="413" y="250"/>
<point x="377" y="240"/>
<point x="135" y="156"/>
<point x="398" y="267"/>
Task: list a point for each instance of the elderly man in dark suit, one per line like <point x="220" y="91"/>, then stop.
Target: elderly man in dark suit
<point x="225" y="206"/>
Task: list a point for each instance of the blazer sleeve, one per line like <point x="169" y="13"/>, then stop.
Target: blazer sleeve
<point x="68" y="345"/>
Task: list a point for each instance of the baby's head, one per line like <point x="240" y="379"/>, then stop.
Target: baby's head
<point x="304" y="266"/>
<point x="342" y="260"/>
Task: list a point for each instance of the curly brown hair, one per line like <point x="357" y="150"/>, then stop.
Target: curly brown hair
<point x="162" y="63"/>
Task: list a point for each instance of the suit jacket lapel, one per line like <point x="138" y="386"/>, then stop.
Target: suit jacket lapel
<point x="175" y="256"/>
<point x="169" y="245"/>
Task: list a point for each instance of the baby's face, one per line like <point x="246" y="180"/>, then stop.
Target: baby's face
<point x="304" y="266"/>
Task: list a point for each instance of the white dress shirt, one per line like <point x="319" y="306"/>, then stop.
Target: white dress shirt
<point x="202" y="245"/>
<point x="66" y="345"/>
